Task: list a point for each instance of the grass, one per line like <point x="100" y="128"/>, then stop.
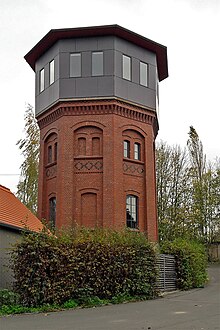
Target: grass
<point x="85" y="303"/>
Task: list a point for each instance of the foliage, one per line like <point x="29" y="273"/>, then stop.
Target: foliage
<point x="27" y="187"/>
<point x="82" y="263"/>
<point x="188" y="192"/>
<point x="191" y="262"/>
<point x="8" y="297"/>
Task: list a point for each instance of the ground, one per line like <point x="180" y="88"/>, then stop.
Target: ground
<point x="197" y="309"/>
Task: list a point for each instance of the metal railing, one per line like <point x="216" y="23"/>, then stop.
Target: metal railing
<point x="167" y="272"/>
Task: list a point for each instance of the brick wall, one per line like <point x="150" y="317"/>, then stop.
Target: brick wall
<point x="90" y="177"/>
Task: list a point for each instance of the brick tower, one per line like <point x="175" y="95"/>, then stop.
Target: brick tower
<point x="96" y="106"/>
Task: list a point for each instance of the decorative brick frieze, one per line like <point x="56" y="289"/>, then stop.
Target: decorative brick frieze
<point x="88" y="165"/>
<point x="133" y="168"/>
<point x="51" y="171"/>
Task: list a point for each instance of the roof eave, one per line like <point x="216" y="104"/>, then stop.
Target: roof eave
<point x="56" y="34"/>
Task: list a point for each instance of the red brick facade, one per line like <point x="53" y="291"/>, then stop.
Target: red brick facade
<point x="83" y="167"/>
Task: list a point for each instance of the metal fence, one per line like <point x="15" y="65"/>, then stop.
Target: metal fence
<point x="167" y="272"/>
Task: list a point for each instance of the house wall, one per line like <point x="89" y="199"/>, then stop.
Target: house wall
<point x="7" y="238"/>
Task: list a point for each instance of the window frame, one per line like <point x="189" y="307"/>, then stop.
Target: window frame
<point x="132" y="206"/>
<point x="126" y="71"/>
<point x="52" y="211"/>
<point x="144" y="81"/>
<point x="42" y="80"/>
<point x="100" y="71"/>
<point x="137" y="152"/>
<point x="51" y="72"/>
<point x="126" y="149"/>
<point x="78" y="73"/>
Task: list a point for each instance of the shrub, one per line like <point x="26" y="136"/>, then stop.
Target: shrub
<point x="191" y="262"/>
<point x="8" y="298"/>
<point x="81" y="263"/>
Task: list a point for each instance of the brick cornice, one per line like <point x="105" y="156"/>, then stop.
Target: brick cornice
<point x="98" y="107"/>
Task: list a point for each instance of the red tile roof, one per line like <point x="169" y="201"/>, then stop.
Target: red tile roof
<point x="16" y="215"/>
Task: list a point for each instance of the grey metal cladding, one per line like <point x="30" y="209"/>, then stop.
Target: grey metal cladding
<point x="108" y="85"/>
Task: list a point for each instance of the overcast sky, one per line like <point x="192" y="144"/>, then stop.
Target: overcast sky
<point x="189" y="96"/>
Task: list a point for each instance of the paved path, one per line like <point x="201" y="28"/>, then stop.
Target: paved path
<point x="197" y="309"/>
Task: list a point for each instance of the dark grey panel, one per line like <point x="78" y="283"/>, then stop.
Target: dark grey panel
<point x="105" y="43"/>
<point x="105" y="86"/>
<point x="135" y="76"/>
<point x="47" y="97"/>
<point x="108" y="62"/>
<point x="135" y="93"/>
<point x="64" y="65"/>
<point x="86" y="87"/>
<point x="67" y="88"/>
<point x="86" y="64"/>
<point x="47" y="57"/>
<point x="132" y="50"/>
<point x="83" y="44"/>
<point x="67" y="45"/>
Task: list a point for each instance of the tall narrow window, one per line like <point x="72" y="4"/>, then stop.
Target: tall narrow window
<point x="126" y="68"/>
<point x="55" y="151"/>
<point x="137" y="151"/>
<point x="49" y="154"/>
<point x="143" y="74"/>
<point x="52" y="212"/>
<point x="75" y="65"/>
<point x="41" y="80"/>
<point x="126" y="149"/>
<point x="51" y="78"/>
<point x="97" y="63"/>
<point x="132" y="211"/>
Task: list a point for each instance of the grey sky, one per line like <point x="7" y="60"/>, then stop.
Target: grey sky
<point x="189" y="29"/>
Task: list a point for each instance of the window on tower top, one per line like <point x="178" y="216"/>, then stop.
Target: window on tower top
<point x="97" y="63"/>
<point x="75" y="65"/>
<point x="126" y="67"/>
<point x="41" y="80"/>
<point x="143" y="74"/>
<point x="51" y="72"/>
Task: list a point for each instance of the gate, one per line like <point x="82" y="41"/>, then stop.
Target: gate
<point x="167" y="272"/>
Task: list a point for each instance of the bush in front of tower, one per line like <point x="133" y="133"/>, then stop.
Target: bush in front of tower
<point x="84" y="265"/>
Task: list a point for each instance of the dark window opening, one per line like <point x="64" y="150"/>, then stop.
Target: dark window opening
<point x="132" y="211"/>
<point x="52" y="211"/>
<point x="49" y="154"/>
<point x="55" y="151"/>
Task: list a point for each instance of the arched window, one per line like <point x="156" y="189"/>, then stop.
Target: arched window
<point x="132" y="211"/>
<point x="52" y="211"/>
<point x="127" y="149"/>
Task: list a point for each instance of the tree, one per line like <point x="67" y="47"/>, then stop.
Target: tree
<point x="27" y="187"/>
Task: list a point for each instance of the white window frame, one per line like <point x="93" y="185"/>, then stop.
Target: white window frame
<point x="42" y="80"/>
<point x="77" y="73"/>
<point x="100" y="70"/>
<point x="51" y="72"/>
<point x="144" y="72"/>
<point x="126" y="67"/>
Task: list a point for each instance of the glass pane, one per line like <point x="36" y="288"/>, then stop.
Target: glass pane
<point x="75" y="65"/>
<point x="126" y="67"/>
<point x="137" y="151"/>
<point x="143" y="74"/>
<point x="52" y="210"/>
<point x="97" y="64"/>
<point x="126" y="149"/>
<point x="51" y="72"/>
<point x="42" y="80"/>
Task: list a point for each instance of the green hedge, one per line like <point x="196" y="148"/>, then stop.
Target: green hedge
<point x="191" y="262"/>
<point x="82" y="263"/>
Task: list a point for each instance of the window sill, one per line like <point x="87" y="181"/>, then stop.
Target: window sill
<point x="50" y="164"/>
<point x="130" y="160"/>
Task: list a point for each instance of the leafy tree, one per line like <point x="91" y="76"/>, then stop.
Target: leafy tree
<point x="27" y="187"/>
